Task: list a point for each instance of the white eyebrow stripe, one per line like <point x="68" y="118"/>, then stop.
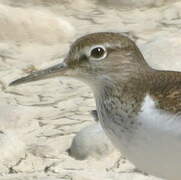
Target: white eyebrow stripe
<point x="111" y="45"/>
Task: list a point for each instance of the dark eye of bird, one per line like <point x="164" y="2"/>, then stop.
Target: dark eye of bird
<point x="97" y="52"/>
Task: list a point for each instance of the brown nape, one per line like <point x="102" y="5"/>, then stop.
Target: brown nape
<point x="165" y="88"/>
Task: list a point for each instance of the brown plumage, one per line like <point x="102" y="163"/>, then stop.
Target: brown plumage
<point x="166" y="90"/>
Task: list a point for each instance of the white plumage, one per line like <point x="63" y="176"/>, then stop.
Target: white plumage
<point x="155" y="145"/>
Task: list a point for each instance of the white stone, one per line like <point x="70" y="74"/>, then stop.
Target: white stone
<point x="91" y="142"/>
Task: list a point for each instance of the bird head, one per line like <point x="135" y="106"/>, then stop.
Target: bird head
<point x="94" y="58"/>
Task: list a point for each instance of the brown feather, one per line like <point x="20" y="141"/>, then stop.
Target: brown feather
<point x="166" y="90"/>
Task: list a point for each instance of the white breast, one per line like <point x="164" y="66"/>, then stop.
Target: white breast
<point x="155" y="145"/>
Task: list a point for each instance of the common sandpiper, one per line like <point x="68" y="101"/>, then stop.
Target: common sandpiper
<point x="138" y="107"/>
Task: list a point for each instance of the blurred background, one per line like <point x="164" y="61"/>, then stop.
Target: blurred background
<point x="46" y="130"/>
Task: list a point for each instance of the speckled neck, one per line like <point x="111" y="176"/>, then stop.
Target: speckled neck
<point x="120" y="97"/>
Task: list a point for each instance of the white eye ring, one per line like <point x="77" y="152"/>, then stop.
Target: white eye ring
<point x="97" y="52"/>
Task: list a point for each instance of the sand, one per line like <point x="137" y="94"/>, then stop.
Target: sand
<point x="46" y="130"/>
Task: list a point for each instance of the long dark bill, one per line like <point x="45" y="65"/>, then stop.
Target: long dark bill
<point x="50" y="72"/>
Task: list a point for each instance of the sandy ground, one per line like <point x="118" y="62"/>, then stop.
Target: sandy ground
<point x="39" y="121"/>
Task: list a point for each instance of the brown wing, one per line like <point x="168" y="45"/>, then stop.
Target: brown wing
<point x="167" y="92"/>
<point x="170" y="101"/>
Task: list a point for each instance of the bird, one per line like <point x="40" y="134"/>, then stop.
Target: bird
<point x="139" y="107"/>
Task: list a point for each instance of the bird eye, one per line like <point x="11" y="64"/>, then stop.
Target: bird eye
<point x="98" y="53"/>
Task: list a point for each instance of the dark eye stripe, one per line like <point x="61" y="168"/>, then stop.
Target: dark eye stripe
<point x="83" y="58"/>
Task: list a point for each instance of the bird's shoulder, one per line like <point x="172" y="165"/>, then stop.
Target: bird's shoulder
<point x="167" y="92"/>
